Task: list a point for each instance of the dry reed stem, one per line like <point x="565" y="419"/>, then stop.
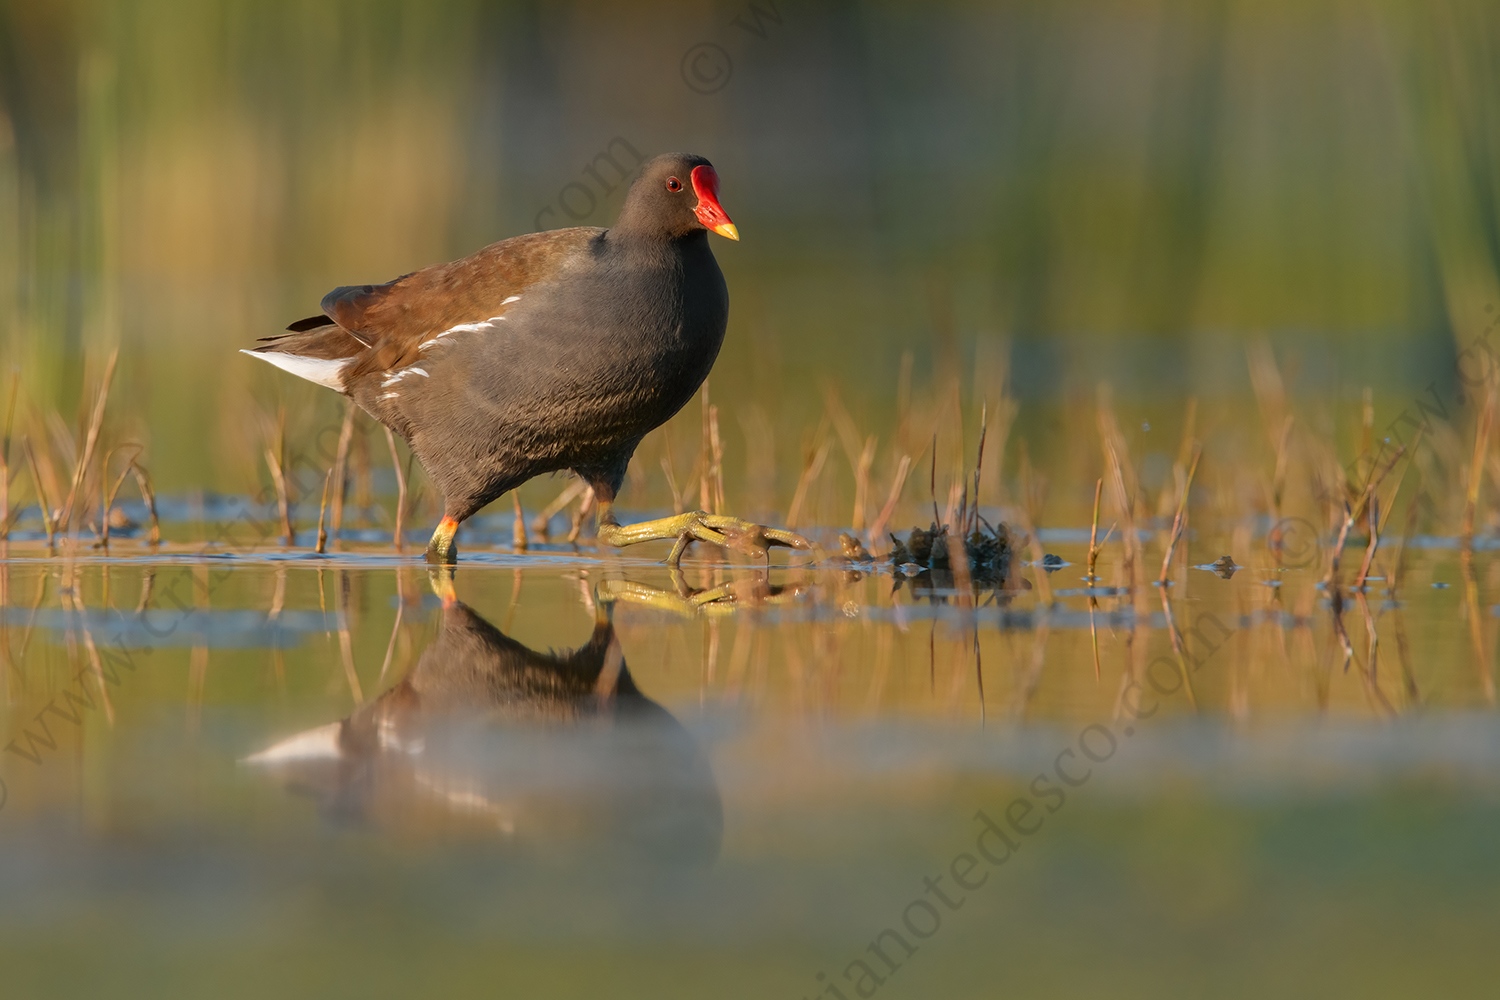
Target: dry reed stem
<point x="5" y="511"/>
<point x="812" y="468"/>
<point x="143" y="483"/>
<point x="958" y="565"/>
<point x="1179" y="521"/>
<point x="570" y="492"/>
<point x="1278" y="476"/>
<point x="58" y="437"/>
<point x="1128" y="537"/>
<point x="1331" y="580"/>
<point x="1167" y="501"/>
<point x="1476" y="619"/>
<point x="398" y="534"/>
<point x="678" y="506"/>
<point x="346" y="643"/>
<point x="984" y="428"/>
<point x="705" y="458"/>
<point x="283" y="501"/>
<point x="390" y="648"/>
<point x="1270" y="389"/>
<point x="360" y="471"/>
<point x="586" y="505"/>
<point x="1094" y="546"/>
<point x="1411" y="526"/>
<point x="716" y="452"/>
<point x="276" y="462"/>
<point x="1403" y="655"/>
<point x="979" y="677"/>
<point x="1038" y="560"/>
<point x="862" y="484"/>
<point x="322" y="543"/>
<point x="877" y="529"/>
<point x="1177" y="651"/>
<point x="1033" y="677"/>
<point x="1094" y="634"/>
<point x="95" y="664"/>
<point x="937" y="517"/>
<point x="1377" y="479"/>
<point x="91" y="440"/>
<point x="109" y="498"/>
<point x="1367" y="421"/>
<point x="41" y="493"/>
<point x="903" y="386"/>
<point x="1476" y="467"/>
<point x="1416" y="445"/>
<point x="1276" y="418"/>
<point x="518" y="540"/>
<point x="1030" y="512"/>
<point x="850" y="440"/>
<point x="1374" y="543"/>
<point x="10" y="418"/>
<point x="1121" y="493"/>
<point x="1369" y="672"/>
<point x="341" y="469"/>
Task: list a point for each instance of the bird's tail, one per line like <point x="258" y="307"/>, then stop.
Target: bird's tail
<point x="316" y="349"/>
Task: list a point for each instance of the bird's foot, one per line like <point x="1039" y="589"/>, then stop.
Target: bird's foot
<point x="700" y="526"/>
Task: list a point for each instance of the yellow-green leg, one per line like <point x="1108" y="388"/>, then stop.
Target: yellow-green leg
<point x="696" y="526"/>
<point x="442" y="549"/>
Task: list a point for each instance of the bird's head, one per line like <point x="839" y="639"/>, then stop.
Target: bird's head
<point x="677" y="193"/>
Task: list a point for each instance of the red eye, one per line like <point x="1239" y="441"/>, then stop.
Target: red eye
<point x="674" y="185"/>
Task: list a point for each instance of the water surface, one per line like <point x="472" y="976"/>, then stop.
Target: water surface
<point x="561" y="777"/>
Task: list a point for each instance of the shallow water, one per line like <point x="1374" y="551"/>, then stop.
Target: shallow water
<point x="251" y="776"/>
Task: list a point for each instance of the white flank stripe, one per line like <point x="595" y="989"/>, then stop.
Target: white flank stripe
<point x="324" y="371"/>
<point x="402" y="374"/>
<point x="513" y="298"/>
<point x="314" y="744"/>
<point x="390" y="395"/>
<point x="479" y="327"/>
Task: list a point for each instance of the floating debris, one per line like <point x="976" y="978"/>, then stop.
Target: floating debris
<point x="1224" y="567"/>
<point x="1440" y="585"/>
<point x="988" y="550"/>
<point x="1052" y="563"/>
<point x="852" y="549"/>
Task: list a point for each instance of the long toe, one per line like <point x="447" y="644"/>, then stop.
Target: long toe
<point x="787" y="539"/>
<point x="746" y="536"/>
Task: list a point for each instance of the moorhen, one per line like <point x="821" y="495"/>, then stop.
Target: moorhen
<point x="541" y="353"/>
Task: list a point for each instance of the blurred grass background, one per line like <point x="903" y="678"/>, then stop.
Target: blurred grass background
<point x="1125" y="189"/>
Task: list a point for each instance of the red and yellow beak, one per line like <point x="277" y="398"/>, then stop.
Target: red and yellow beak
<point x="709" y="211"/>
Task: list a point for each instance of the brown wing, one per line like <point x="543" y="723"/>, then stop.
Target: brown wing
<point x="396" y="317"/>
<point x="379" y="327"/>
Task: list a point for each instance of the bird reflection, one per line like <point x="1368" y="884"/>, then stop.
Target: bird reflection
<point x="554" y="751"/>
